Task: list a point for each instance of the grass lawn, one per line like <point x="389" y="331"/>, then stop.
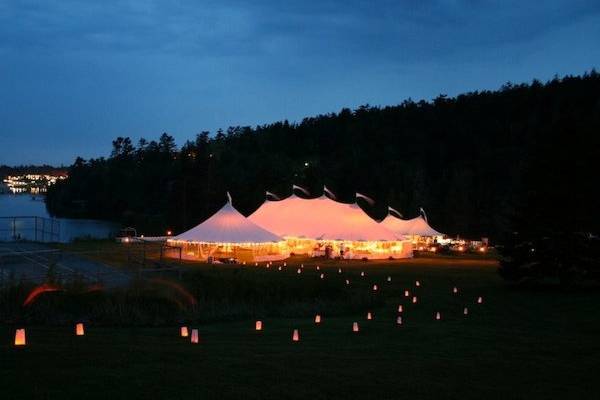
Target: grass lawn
<point x="526" y="344"/>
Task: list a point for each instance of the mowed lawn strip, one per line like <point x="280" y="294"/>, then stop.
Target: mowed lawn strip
<point x="517" y="344"/>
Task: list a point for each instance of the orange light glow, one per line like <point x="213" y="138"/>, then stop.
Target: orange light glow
<point x="461" y="248"/>
<point x="279" y="268"/>
<point x="369" y="316"/>
<point x="258" y="326"/>
<point x="295" y="336"/>
<point x="39" y="290"/>
<point x="438" y="316"/>
<point x="20" y="337"/>
<point x="355" y="327"/>
<point x="195" y="339"/>
<point x="169" y="233"/>
<point x="79" y="330"/>
<point x="482" y="249"/>
<point x="433" y="249"/>
<point x="183" y="331"/>
<point x="317" y="319"/>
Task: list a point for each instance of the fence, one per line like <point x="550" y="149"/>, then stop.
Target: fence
<point x="37" y="229"/>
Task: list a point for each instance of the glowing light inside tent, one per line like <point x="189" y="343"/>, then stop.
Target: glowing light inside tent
<point x="195" y="338"/>
<point x="79" y="330"/>
<point x="317" y="319"/>
<point x="461" y="248"/>
<point x="279" y="268"/>
<point x="482" y="249"/>
<point x="369" y="316"/>
<point x="295" y="336"/>
<point x="169" y="233"/>
<point x="433" y="249"/>
<point x="258" y="326"/>
<point x="355" y="327"/>
<point x="183" y="331"/>
<point x="20" y="337"/>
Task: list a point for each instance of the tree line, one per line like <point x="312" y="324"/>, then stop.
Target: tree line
<point x="486" y="163"/>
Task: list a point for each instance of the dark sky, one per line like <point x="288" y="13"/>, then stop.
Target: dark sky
<point x="76" y="74"/>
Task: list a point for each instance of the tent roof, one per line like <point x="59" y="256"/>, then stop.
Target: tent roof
<point x="228" y="226"/>
<point x="416" y="226"/>
<point x="319" y="218"/>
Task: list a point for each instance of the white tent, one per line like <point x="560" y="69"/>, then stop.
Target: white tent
<point x="228" y="234"/>
<point x="409" y="227"/>
<point x="311" y="225"/>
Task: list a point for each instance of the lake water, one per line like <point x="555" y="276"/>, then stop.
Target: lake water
<point x="64" y="229"/>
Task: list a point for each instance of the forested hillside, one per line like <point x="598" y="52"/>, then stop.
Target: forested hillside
<point x="523" y="158"/>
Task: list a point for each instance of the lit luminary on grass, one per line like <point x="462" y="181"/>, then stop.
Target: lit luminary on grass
<point x="389" y="278"/>
<point x="195" y="339"/>
<point x="465" y="311"/>
<point x="479" y="300"/>
<point x="438" y="316"/>
<point x="347" y="282"/>
<point x="299" y="270"/>
<point x="362" y="273"/>
<point x="285" y="264"/>
<point x="375" y="288"/>
<point x="399" y="320"/>
<point x="322" y="275"/>
<point x="454" y="290"/>
<point x="400" y="308"/>
<point x="369" y="316"/>
<point x="417" y="283"/>
<point x="183" y="331"/>
<point x="79" y="330"/>
<point x="406" y="293"/>
<point x="355" y="327"/>
<point x="258" y="326"/>
<point x="317" y="319"/>
<point x="20" y="337"/>
<point x="318" y="268"/>
<point x="339" y="270"/>
<point x="414" y="300"/>
<point x="295" y="336"/>
<point x="279" y="268"/>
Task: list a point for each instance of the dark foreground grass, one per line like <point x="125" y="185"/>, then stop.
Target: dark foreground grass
<point x="526" y="344"/>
